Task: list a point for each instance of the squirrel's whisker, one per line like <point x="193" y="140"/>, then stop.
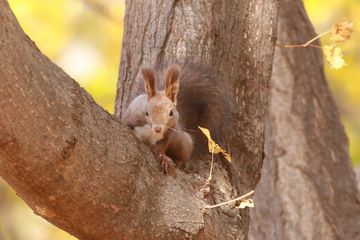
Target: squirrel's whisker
<point x="189" y="130"/>
<point x="173" y="129"/>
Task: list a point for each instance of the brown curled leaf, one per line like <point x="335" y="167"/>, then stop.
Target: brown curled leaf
<point x="342" y="31"/>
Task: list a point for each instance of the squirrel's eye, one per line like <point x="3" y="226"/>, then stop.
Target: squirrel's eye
<point x="147" y="113"/>
<point x="171" y="113"/>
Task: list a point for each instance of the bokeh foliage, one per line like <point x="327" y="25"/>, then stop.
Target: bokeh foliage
<point x="81" y="36"/>
<point x="344" y="82"/>
<point x="84" y="38"/>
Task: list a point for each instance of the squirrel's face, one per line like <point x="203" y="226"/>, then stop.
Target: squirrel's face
<point x="161" y="113"/>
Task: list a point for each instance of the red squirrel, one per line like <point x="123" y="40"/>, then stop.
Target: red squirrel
<point x="165" y="119"/>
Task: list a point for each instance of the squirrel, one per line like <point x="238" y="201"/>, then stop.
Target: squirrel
<point x="167" y="120"/>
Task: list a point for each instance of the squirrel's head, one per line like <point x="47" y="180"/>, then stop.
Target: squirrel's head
<point x="161" y="112"/>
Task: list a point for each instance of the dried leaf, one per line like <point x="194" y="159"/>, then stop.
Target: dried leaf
<point x="247" y="203"/>
<point x="334" y="56"/>
<point x="342" y="31"/>
<point x="227" y="156"/>
<point x="213" y="146"/>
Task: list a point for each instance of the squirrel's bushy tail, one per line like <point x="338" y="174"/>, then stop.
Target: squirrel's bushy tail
<point x="202" y="101"/>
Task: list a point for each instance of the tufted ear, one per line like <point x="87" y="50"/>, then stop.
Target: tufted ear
<point x="172" y="82"/>
<point x="149" y="81"/>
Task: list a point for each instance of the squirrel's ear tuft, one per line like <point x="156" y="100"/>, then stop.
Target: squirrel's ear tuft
<point x="172" y="82"/>
<point x="149" y="80"/>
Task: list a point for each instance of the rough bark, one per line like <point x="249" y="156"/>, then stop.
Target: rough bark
<point x="76" y="166"/>
<point x="308" y="188"/>
<point x="357" y="174"/>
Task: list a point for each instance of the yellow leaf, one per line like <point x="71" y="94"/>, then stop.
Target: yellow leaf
<point x="213" y="146"/>
<point x="226" y="156"/>
<point x="247" y="203"/>
<point x="334" y="56"/>
<point x="342" y="31"/>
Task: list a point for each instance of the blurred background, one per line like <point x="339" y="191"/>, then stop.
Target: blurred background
<point x="84" y="38"/>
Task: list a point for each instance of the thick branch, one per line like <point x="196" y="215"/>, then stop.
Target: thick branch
<point x="73" y="163"/>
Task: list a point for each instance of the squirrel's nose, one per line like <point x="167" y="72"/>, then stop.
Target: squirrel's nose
<point x="158" y="128"/>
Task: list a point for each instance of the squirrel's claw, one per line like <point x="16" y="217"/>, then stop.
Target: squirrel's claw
<point x="166" y="163"/>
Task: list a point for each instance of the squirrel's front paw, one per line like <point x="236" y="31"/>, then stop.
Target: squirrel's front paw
<point x="166" y="163"/>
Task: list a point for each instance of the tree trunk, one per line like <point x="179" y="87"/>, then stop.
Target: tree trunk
<point x="236" y="39"/>
<point x="76" y="166"/>
<point x="308" y="188"/>
<point x="219" y="34"/>
<point x="357" y="174"/>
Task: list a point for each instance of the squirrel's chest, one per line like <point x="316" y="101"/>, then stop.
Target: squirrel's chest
<point x="147" y="135"/>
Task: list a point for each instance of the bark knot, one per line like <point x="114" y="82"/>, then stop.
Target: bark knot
<point x="68" y="149"/>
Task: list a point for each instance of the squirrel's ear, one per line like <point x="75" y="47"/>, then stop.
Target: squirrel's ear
<point x="149" y="80"/>
<point x="172" y="82"/>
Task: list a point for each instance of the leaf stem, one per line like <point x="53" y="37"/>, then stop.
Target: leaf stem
<point x="315" y="46"/>
<point x="230" y="201"/>
<point x="307" y="44"/>
<point x="318" y="36"/>
<point x="211" y="166"/>
<point x="298" y="46"/>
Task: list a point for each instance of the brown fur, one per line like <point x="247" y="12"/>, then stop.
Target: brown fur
<point x="193" y="96"/>
<point x="149" y="80"/>
<point x="202" y="101"/>
<point x="172" y="82"/>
